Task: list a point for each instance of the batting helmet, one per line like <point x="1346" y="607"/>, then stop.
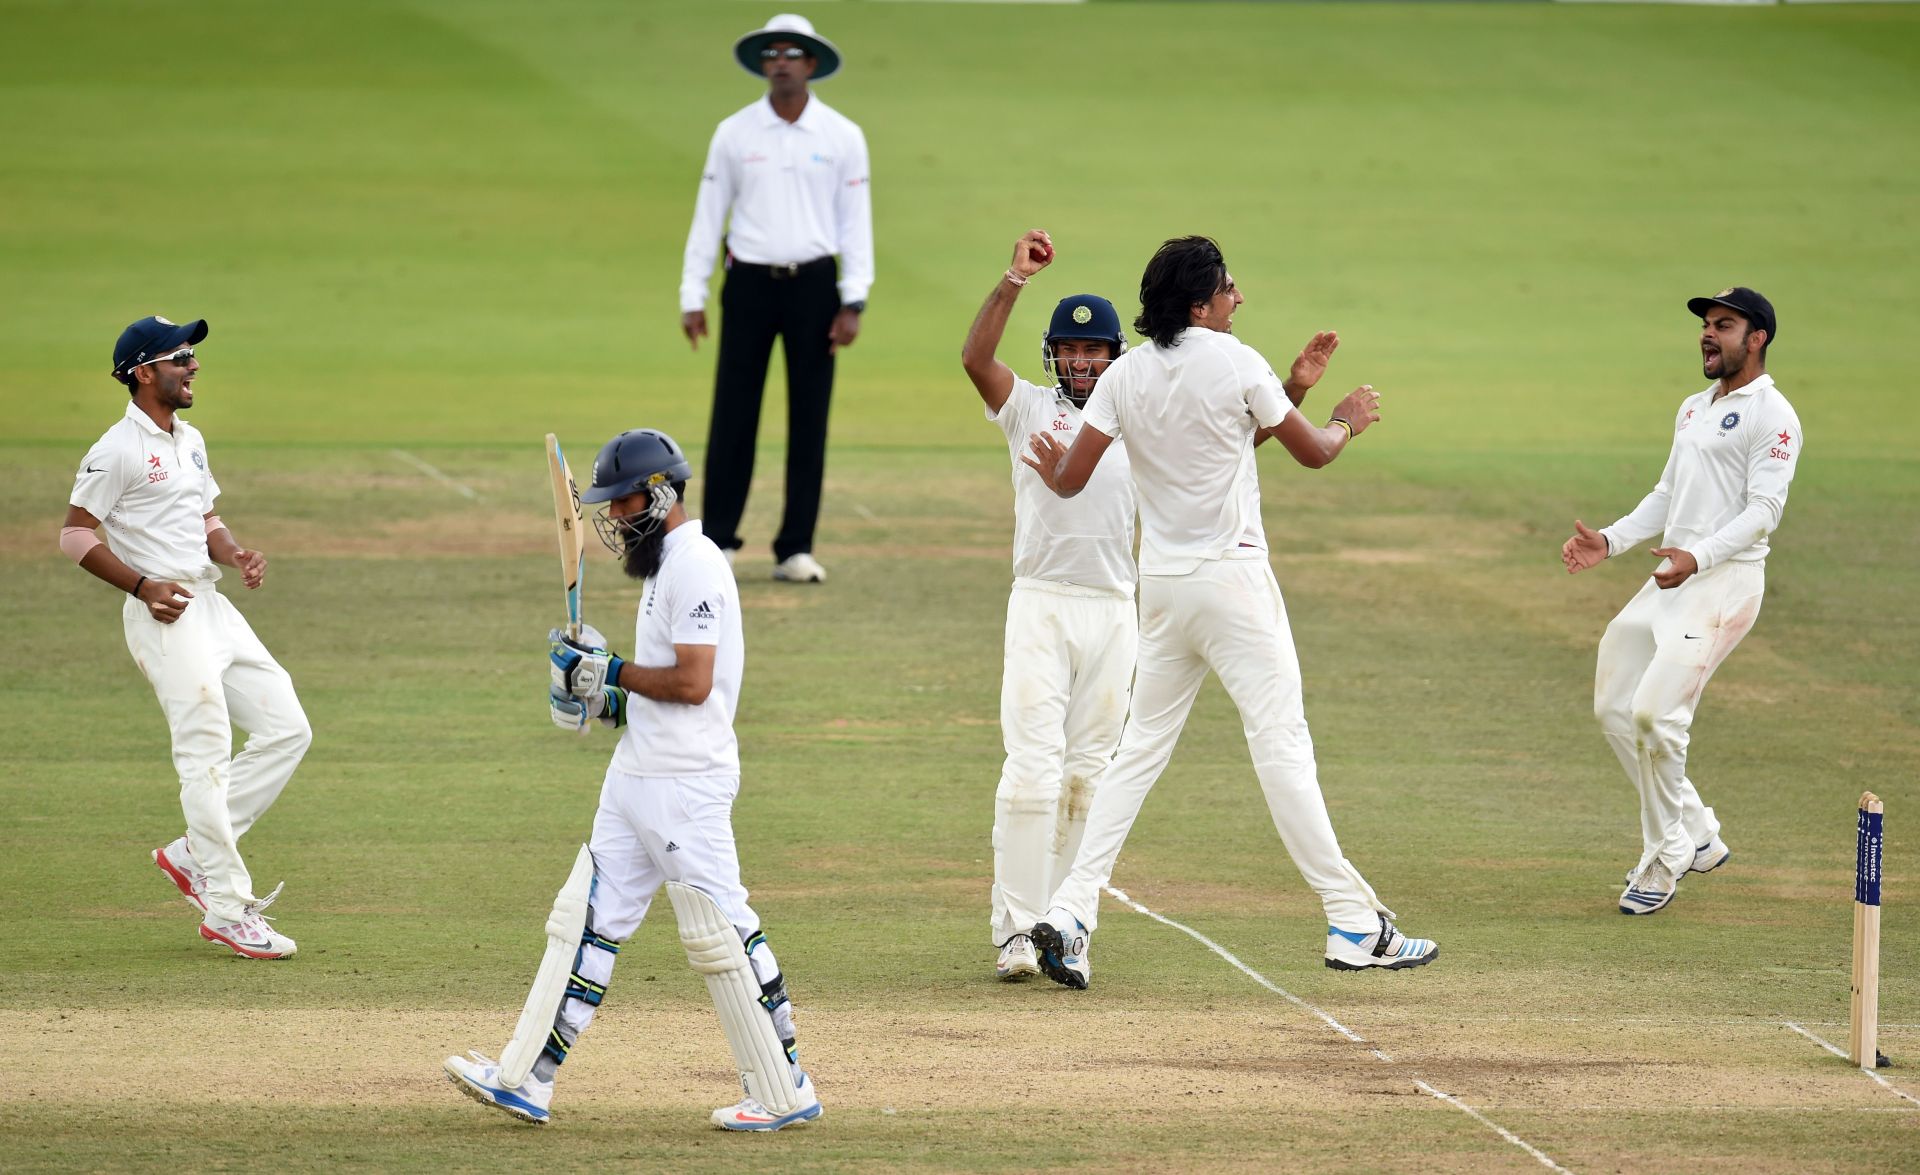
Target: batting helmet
<point x="638" y="461"/>
<point x="1083" y="316"/>
<point x="634" y="462"/>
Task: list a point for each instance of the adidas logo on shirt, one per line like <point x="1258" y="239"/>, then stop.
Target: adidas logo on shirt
<point x="672" y="848"/>
<point x="701" y="612"/>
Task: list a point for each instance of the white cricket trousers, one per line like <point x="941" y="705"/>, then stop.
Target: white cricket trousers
<point x="651" y="830"/>
<point x="1227" y="616"/>
<point x="1654" y="663"/>
<point x="211" y="673"/>
<point x="1063" y="700"/>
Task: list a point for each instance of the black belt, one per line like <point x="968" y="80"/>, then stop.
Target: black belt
<point x="783" y="271"/>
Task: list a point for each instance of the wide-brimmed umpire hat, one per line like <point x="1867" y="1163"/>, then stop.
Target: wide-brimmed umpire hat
<point x="787" y="27"/>
<point x="1751" y="304"/>
<point x="153" y="336"/>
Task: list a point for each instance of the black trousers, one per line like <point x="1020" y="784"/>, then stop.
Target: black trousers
<point x="755" y="306"/>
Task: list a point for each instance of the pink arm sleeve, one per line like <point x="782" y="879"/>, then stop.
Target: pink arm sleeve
<point x="76" y="541"/>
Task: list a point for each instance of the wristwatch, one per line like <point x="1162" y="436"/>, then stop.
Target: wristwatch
<point x="856" y="307"/>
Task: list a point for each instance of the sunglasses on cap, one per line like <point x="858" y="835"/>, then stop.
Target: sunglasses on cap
<point x="791" y="53"/>
<point x="179" y="358"/>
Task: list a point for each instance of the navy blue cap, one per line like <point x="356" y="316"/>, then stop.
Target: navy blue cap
<point x="150" y="338"/>
<point x="1750" y="304"/>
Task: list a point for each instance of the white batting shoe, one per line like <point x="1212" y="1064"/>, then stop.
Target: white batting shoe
<point x="1385" y="948"/>
<point x="748" y="1114"/>
<point x="175" y="860"/>
<point x="479" y="1079"/>
<point x="1064" y="943"/>
<point x="1017" y="959"/>
<point x="251" y="937"/>
<point x="1651" y="889"/>
<point x="801" y="568"/>
<point x="1711" y="856"/>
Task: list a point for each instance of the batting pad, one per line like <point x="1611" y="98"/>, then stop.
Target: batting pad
<point x="715" y="951"/>
<point x="564" y="927"/>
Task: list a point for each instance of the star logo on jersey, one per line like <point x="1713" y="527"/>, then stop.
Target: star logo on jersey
<point x="153" y="459"/>
<point x="155" y="470"/>
<point x="1729" y="420"/>
<point x="1786" y="438"/>
<point x="1687" y="419"/>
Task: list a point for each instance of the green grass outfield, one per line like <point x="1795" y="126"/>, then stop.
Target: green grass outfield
<point x="427" y="234"/>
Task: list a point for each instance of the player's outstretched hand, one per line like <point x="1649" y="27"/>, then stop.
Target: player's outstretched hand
<point x="693" y="324"/>
<point x="1359" y="408"/>
<point x="1311" y="363"/>
<point x="1585" y="549"/>
<point x="1032" y="253"/>
<point x="1679" y="569"/>
<point x="252" y="565"/>
<point x="165" y="599"/>
<point x="1047" y="455"/>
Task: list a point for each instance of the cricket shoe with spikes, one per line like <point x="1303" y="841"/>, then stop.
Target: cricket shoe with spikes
<point x="1352" y="950"/>
<point x="749" y="1114"/>
<point x="478" y="1076"/>
<point x="1063" y="943"/>
<point x="175" y="859"/>
<point x="251" y="937"/>
<point x="1017" y="959"/>
<point x="1706" y="858"/>
<point x="1649" y="890"/>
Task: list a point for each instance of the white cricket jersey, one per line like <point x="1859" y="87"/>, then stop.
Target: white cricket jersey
<point x="692" y="601"/>
<point x="1725" y="484"/>
<point x="796" y="191"/>
<point x="151" y="490"/>
<point x="1191" y="411"/>
<point x="1087" y="539"/>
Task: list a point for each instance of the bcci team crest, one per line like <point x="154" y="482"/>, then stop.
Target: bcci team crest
<point x="1083" y="314"/>
<point x="1724" y="293"/>
<point x="199" y="462"/>
<point x="1729" y="420"/>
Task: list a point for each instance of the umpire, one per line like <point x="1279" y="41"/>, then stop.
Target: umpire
<point x="786" y="179"/>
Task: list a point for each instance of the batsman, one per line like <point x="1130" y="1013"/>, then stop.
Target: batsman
<point x="666" y="807"/>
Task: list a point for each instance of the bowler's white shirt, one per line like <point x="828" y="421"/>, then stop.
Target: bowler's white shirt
<point x="692" y="601"/>
<point x="1725" y="484"/>
<point x="151" y="490"/>
<point x="1190" y="412"/>
<point x="1086" y="540"/>
<point x="797" y="191"/>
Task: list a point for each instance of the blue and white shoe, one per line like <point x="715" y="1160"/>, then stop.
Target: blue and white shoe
<point x="1649" y="890"/>
<point x="479" y="1079"/>
<point x="1063" y="943"/>
<point x="749" y="1114"/>
<point x="1349" y="950"/>
<point x="1711" y="856"/>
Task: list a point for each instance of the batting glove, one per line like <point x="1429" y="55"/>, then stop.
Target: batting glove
<point x="582" y="667"/>
<point x="571" y="713"/>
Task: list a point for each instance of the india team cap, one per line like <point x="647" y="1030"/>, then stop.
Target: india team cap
<point x="787" y="27"/>
<point x="1750" y="303"/>
<point x="153" y="336"/>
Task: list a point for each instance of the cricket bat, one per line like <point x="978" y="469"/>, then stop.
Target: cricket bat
<point x="572" y="530"/>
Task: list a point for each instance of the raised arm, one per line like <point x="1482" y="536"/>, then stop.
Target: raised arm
<point x="1316" y="447"/>
<point x="993" y="379"/>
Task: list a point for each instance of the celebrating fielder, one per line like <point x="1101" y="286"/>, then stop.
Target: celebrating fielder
<point x="1071" y="630"/>
<point x="147" y="479"/>
<point x="1718" y="499"/>
<point x="666" y="808"/>
<point x="1198" y="401"/>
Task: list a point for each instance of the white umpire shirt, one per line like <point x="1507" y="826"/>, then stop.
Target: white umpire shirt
<point x="151" y="490"/>
<point x="1086" y="540"/>
<point x="1725" y="484"/>
<point x="796" y="191"/>
<point x="692" y="601"/>
<point x="1194" y="408"/>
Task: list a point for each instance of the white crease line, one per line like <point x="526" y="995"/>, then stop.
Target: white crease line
<point x="860" y="508"/>
<point x="1338" y="1027"/>
<point x="1839" y="1052"/>
<point x="1490" y="1124"/>
<point x="465" y="491"/>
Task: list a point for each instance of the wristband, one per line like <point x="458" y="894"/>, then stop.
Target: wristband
<point x="140" y="583"/>
<point x="1343" y="424"/>
<point x="614" y="666"/>
<point x="1015" y="278"/>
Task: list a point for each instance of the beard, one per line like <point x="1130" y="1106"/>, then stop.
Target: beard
<point x="641" y="554"/>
